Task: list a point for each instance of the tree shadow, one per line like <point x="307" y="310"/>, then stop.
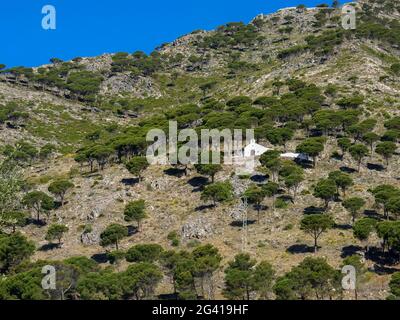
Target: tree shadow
<point x="198" y="183"/>
<point x="343" y="226"/>
<point x="373" y="214"/>
<point x="281" y="191"/>
<point x="58" y="204"/>
<point x="337" y="199"/>
<point x="376" y="255"/>
<point x="382" y="270"/>
<point x="316" y="133"/>
<point x="347" y="169"/>
<point x="204" y="207"/>
<point x="260" y="207"/>
<point x="49" y="246"/>
<point x="11" y="126"/>
<point x="94" y="174"/>
<point x="100" y="258"/>
<point x="175" y="172"/>
<point x="175" y="296"/>
<point x="300" y="248"/>
<point x="259" y="178"/>
<point x="305" y="164"/>
<point x="351" y="250"/>
<point x="286" y="198"/>
<point x="37" y="223"/>
<point x="132" y="230"/>
<point x="130" y="181"/>
<point x="168" y="296"/>
<point x="338" y="157"/>
<point x="375" y="167"/>
<point x="239" y="223"/>
<point x="313" y="210"/>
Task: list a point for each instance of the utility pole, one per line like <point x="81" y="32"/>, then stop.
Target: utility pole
<point x="244" y="224"/>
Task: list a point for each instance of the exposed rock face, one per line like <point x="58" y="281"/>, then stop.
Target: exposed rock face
<point x="92" y="204"/>
<point x="179" y="45"/>
<point x="239" y="185"/>
<point x="90" y="238"/>
<point x="165" y="220"/>
<point x="98" y="64"/>
<point x="139" y="86"/>
<point x="237" y="212"/>
<point x="94" y="214"/>
<point x="159" y="184"/>
<point x="199" y="227"/>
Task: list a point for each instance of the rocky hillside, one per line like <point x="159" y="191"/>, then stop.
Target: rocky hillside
<point x="74" y="133"/>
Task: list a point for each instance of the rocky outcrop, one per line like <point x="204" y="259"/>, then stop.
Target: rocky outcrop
<point x="199" y="227"/>
<point x="90" y="238"/>
<point x="137" y="85"/>
<point x="238" y="211"/>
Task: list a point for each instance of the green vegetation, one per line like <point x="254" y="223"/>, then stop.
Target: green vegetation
<point x="243" y="278"/>
<point x="312" y="278"/>
<point x="325" y="190"/>
<point x="315" y="225"/>
<point x="144" y="253"/>
<point x="113" y="234"/>
<point x="39" y="202"/>
<point x="135" y="211"/>
<point x="354" y="205"/>
<point x="358" y="152"/>
<point x="14" y="249"/>
<point x="217" y="192"/>
<point x="137" y="165"/>
<point x="320" y="45"/>
<point x="137" y="63"/>
<point x="56" y="232"/>
<point x="255" y="195"/>
<point x="59" y="188"/>
<point x="395" y="286"/>
<point x="208" y="170"/>
<point x="231" y="35"/>
<point x="312" y="147"/>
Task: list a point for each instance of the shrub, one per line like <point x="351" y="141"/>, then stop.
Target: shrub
<point x="144" y="253"/>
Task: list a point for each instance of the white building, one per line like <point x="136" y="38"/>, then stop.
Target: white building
<point x="246" y="162"/>
<point x="295" y="156"/>
<point x="254" y="149"/>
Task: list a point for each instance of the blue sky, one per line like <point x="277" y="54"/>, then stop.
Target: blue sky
<point x="92" y="27"/>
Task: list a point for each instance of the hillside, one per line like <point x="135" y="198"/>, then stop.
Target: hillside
<point x="296" y="77"/>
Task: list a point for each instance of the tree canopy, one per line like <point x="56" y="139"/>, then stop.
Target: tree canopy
<point x="315" y="225"/>
<point x="113" y="234"/>
<point x="135" y="211"/>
